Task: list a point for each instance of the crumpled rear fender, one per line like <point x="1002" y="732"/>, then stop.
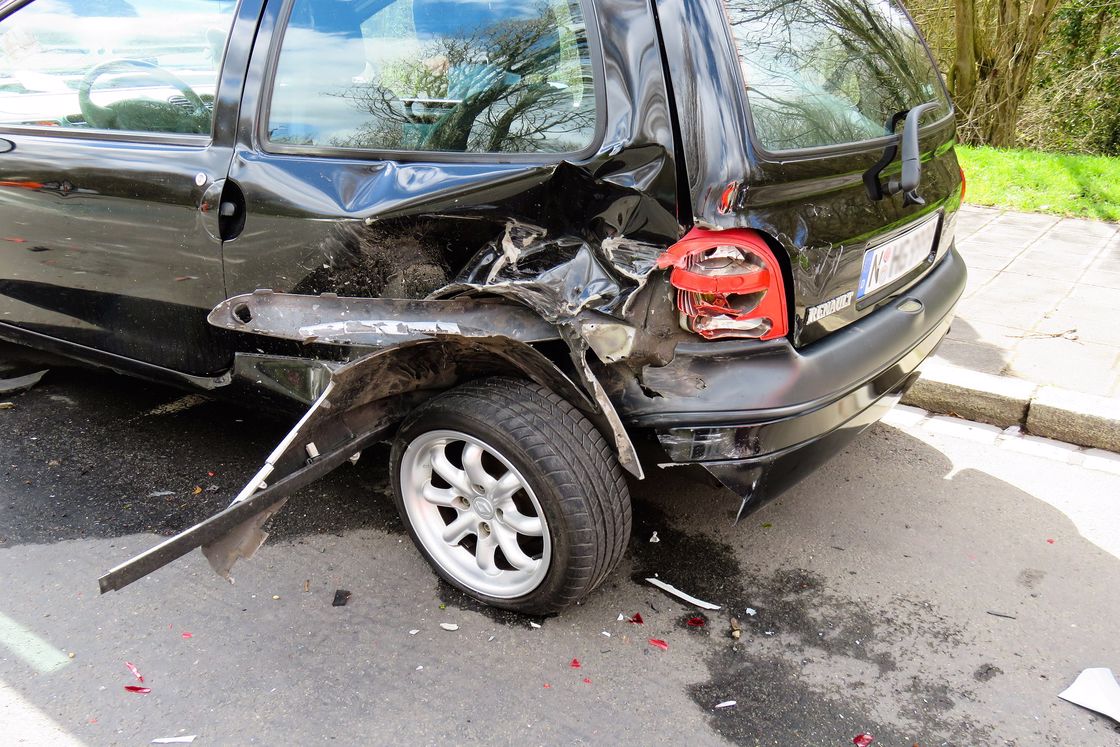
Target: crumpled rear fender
<point x="359" y="404"/>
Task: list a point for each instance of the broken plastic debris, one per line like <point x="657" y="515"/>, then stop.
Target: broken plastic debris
<point x="7" y="406"/>
<point x="655" y="538"/>
<point x="20" y="383"/>
<point x="138" y="689"/>
<point x="862" y="740"/>
<point x="534" y="625"/>
<point x="1096" y="689"/>
<point x="491" y="638"/>
<point x="1050" y="541"/>
<point x="658" y="643"/>
<point x="681" y="595"/>
<point x="414" y="631"/>
<point x="587" y="680"/>
<point x="608" y="635"/>
<point x="135" y="672"/>
<point x="621" y="617"/>
<point x="420" y="668"/>
<point x="725" y="704"/>
<point x="449" y="626"/>
<point x="547" y="686"/>
<point x="751" y="611"/>
<point x="575" y="664"/>
<point x="341" y="597"/>
<point x="197" y="490"/>
<point x="188" y="635"/>
<point x="636" y="618"/>
<point x="176" y="740"/>
<point x="161" y="493"/>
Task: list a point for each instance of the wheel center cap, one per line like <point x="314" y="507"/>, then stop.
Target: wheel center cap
<point x="483" y="507"/>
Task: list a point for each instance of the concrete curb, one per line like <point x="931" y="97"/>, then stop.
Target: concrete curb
<point x="1082" y="419"/>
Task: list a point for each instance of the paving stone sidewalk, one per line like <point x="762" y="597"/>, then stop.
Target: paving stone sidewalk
<point x="1042" y="302"/>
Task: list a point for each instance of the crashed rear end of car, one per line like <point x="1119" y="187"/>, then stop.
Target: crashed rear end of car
<point x="780" y="310"/>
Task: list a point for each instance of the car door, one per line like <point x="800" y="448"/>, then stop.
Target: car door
<point x="388" y="140"/>
<point x="117" y="121"/>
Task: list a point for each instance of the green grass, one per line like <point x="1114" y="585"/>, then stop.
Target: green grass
<point x="1033" y="181"/>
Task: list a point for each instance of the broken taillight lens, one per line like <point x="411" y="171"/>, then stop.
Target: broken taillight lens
<point x="729" y="284"/>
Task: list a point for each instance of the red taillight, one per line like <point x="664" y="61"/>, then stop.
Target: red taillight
<point x="962" y="183"/>
<point x="729" y="284"/>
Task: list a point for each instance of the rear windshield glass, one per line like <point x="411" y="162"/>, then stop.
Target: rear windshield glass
<point x="829" y="72"/>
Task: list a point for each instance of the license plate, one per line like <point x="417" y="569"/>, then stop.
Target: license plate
<point x="884" y="264"/>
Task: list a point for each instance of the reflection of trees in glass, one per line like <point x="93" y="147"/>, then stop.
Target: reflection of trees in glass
<point x="519" y="85"/>
<point x="822" y="72"/>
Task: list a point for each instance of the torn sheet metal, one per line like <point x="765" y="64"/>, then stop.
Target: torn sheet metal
<point x="1096" y="689"/>
<point x="376" y="322"/>
<point x="358" y="407"/>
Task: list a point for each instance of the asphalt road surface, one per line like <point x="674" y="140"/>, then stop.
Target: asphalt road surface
<point x="934" y="584"/>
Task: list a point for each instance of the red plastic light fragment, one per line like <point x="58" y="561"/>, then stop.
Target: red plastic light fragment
<point x="1050" y="541"/>
<point x="587" y="680"/>
<point x="575" y="664"/>
<point x="658" y="643"/>
<point x="211" y="474"/>
<point x="862" y="740"/>
<point x="138" y="689"/>
<point x="135" y="672"/>
<point x="695" y="622"/>
<point x="547" y="686"/>
<point x="188" y="635"/>
<point x="636" y="618"/>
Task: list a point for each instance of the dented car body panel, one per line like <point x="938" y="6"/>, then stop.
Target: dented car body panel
<point x="354" y="283"/>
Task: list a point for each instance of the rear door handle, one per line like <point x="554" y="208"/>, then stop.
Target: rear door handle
<point x="222" y="208"/>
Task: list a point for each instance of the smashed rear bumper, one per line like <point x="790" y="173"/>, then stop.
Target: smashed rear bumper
<point x="760" y="419"/>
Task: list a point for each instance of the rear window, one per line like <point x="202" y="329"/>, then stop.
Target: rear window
<point x="821" y="73"/>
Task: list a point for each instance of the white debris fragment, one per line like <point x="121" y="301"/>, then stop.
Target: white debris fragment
<point x="621" y="617"/>
<point x="681" y="595"/>
<point x="491" y="638"/>
<point x="769" y="632"/>
<point x="534" y="625"/>
<point x="751" y="611"/>
<point x="176" y="740"/>
<point x="655" y="538"/>
<point x="414" y="631"/>
<point x="420" y="668"/>
<point x="1096" y="689"/>
<point x="449" y="626"/>
<point x="725" y="704"/>
<point x="161" y="493"/>
<point x="608" y="635"/>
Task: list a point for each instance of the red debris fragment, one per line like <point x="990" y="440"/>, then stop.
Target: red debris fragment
<point x="547" y="686"/>
<point x="695" y="622"/>
<point x="211" y="474"/>
<point x="138" y="689"/>
<point x="587" y="680"/>
<point x="1050" y="541"/>
<point x="575" y="664"/>
<point x="188" y="635"/>
<point x="135" y="672"/>
<point x="636" y="618"/>
<point x="862" y="740"/>
<point x="658" y="643"/>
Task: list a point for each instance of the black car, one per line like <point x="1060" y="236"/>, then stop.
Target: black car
<point x="525" y="241"/>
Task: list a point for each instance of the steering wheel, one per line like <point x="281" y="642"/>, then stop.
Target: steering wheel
<point x="144" y="115"/>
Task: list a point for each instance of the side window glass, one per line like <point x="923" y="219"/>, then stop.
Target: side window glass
<point x="132" y="65"/>
<point x="477" y="76"/>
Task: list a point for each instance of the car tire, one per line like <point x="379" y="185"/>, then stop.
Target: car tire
<point x="511" y="494"/>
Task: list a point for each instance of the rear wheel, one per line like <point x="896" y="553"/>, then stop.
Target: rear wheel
<point x="511" y="494"/>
